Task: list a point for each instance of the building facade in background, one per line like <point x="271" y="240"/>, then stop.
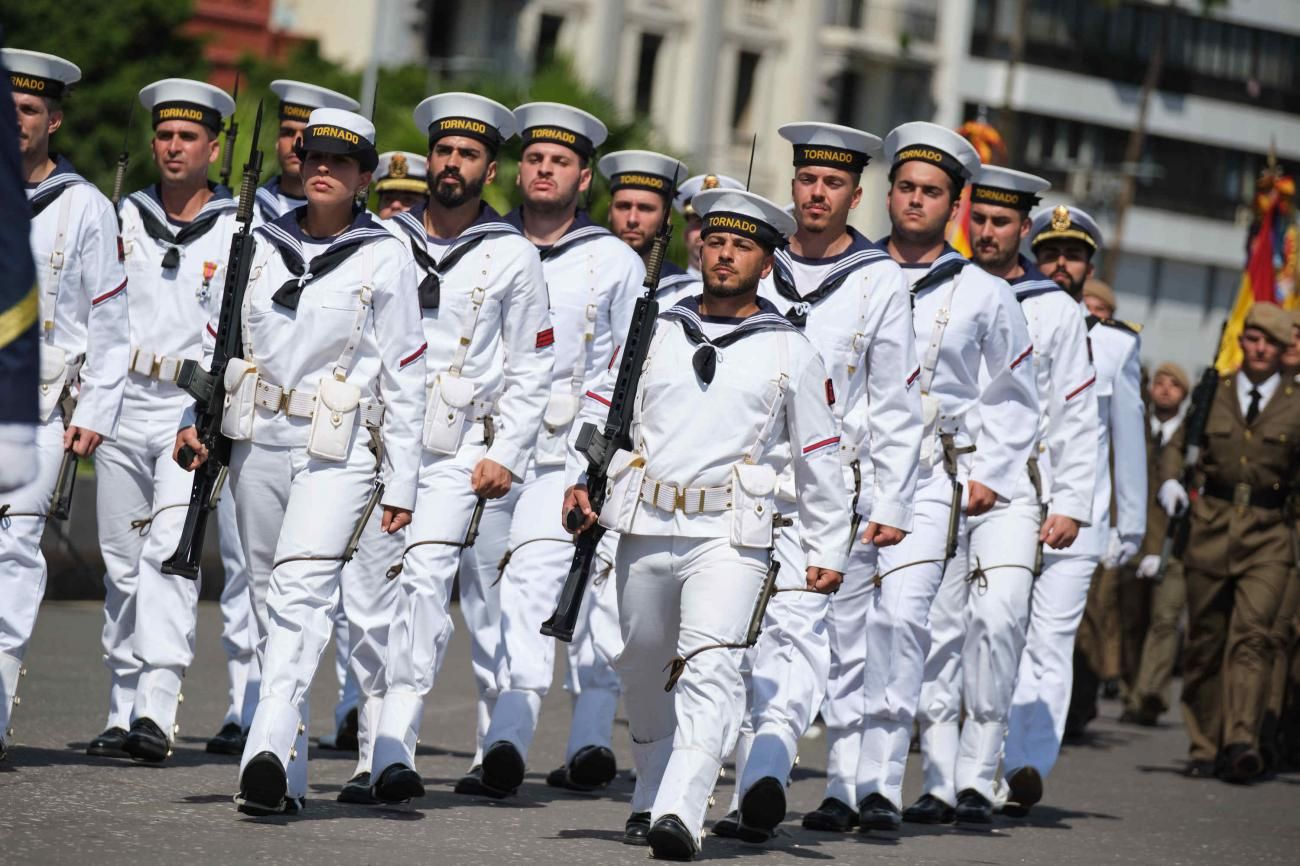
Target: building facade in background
<point x="710" y="74"/>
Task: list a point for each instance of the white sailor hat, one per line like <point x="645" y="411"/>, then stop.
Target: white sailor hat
<point x="333" y="130"/>
<point x="937" y="145"/>
<point x="38" y="74"/>
<point x="1064" y="222"/>
<point x="642" y="169"/>
<point x="1006" y="187"/>
<point x="830" y="145"/>
<point x="298" y="98"/>
<point x="402" y="171"/>
<point x="743" y="213"/>
<point x="466" y="114"/>
<point x="183" y="99"/>
<point x="557" y="123"/>
<point x="693" y="186"/>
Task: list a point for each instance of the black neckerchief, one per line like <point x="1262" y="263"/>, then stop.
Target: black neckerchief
<point x="948" y="265"/>
<point x="148" y="203"/>
<point x="861" y="252"/>
<point x="487" y="222"/>
<point x="705" y="359"/>
<point x="287" y="236"/>
<point x="582" y="227"/>
<point x="48" y="190"/>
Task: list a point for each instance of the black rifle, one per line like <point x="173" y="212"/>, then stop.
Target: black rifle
<point x="599" y="446"/>
<point x="232" y="133"/>
<point x="476" y="516"/>
<point x="123" y="162"/>
<point x="1198" y="415"/>
<point x="207" y="386"/>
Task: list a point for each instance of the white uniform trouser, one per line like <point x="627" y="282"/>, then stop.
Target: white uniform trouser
<point x="349" y="689"/>
<point x="786" y="671"/>
<point x="1046" y="674"/>
<point x="422" y="627"/>
<point x="898" y="637"/>
<point x="480" y="607"/>
<point x="676" y="595"/>
<point x="238" y="630"/>
<point x="597" y="641"/>
<point x="977" y="629"/>
<point x="137" y="480"/>
<point x="22" y="565"/>
<point x="293" y="505"/>
<point x="541" y="552"/>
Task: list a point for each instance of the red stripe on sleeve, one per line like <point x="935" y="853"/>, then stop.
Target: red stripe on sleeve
<point x="1023" y="355"/>
<point x="212" y="332"/>
<point x="412" y="357"/>
<point x="545" y="338"/>
<point x="1077" y="391"/>
<point x="109" y="294"/>
<point x="834" y="440"/>
<point x="599" y="399"/>
<point x="912" y="378"/>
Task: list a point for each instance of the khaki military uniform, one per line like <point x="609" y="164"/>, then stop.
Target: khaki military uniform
<point x="1238" y="562"/>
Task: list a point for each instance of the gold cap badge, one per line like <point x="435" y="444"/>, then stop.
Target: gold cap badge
<point x="397" y="168"/>
<point x="1060" y="218"/>
<point x="711" y="182"/>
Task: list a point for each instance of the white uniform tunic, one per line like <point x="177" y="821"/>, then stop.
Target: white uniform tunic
<point x="592" y="280"/>
<point x="492" y="327"/>
<point x="964" y="319"/>
<point x="682" y="584"/>
<point x="1046" y="675"/>
<point x="978" y="620"/>
<point x="84" y="314"/>
<point x="294" y="507"/>
<point x="176" y="273"/>
<point x="855" y="308"/>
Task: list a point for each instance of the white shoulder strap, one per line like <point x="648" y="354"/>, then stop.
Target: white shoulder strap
<point x="780" y="386"/>
<point x="579" y="375"/>
<point x="857" y="349"/>
<point x="661" y="331"/>
<point x="344" y="363"/>
<point x="49" y="300"/>
<point x="264" y="250"/>
<point x="941" y="318"/>
<point x="476" y="298"/>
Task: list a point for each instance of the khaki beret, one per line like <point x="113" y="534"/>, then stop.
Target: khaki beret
<point x="1295" y="317"/>
<point x="1274" y="321"/>
<point x="1102" y="292"/>
<point x="1175" y="372"/>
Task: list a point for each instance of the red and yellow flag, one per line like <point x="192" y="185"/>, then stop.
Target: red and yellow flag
<point x="992" y="149"/>
<point x="1271" y="261"/>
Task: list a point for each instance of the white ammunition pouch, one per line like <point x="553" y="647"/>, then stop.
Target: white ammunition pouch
<point x="753" y="504"/>
<point x="625" y="480"/>
<point x="561" y="409"/>
<point x="333" y="420"/>
<point x="448" y="414"/>
<point x="54" y="375"/>
<point x="238" y="408"/>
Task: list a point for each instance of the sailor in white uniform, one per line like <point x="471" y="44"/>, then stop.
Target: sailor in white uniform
<point x="401" y="182"/>
<point x="979" y="618"/>
<point x="682" y="203"/>
<point x="84" y="351"/>
<point x="978" y="433"/>
<point x="484" y="304"/>
<point x="643" y="187"/>
<point x="850" y="299"/>
<point x="324" y="408"/>
<point x="731" y="394"/>
<point x="1064" y="241"/>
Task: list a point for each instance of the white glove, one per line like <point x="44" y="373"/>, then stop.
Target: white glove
<point x="1172" y="497"/>
<point x="1149" y="566"/>
<point x="1118" y="551"/>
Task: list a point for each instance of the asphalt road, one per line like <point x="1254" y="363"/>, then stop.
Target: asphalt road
<point x="1117" y="799"/>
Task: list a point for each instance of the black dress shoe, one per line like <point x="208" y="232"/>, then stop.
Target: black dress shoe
<point x="876" y="812"/>
<point x="762" y="809"/>
<point x="503" y="766"/>
<point x="636" y="829"/>
<point x="973" y="810"/>
<point x="728" y="826"/>
<point x="1239" y="764"/>
<point x="592" y="767"/>
<point x="1199" y="770"/>
<point x="832" y="816"/>
<point x="929" y="809"/>
<point x="345" y="739"/>
<point x="146" y="742"/>
<point x="110" y="744"/>
<point x="228" y="741"/>
<point x="471" y="785"/>
<point x="397" y="784"/>
<point x="670" y="840"/>
<point x="1024" y="789"/>
<point x="262" y="786"/>
<point x="357" y="790"/>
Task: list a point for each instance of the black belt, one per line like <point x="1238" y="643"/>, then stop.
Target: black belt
<point x="1242" y="495"/>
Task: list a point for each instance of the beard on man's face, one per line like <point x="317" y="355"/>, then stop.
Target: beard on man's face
<point x="732" y="287"/>
<point x="455" y="194"/>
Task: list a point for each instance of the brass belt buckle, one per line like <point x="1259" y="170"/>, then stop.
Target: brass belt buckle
<point x="1241" y="497"/>
<point x="679" y="499"/>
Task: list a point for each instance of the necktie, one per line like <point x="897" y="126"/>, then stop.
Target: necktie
<point x="1252" y="411"/>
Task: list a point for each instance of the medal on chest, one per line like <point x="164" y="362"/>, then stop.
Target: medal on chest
<point x="205" y="290"/>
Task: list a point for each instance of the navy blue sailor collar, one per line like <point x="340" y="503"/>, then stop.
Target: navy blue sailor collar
<point x="1032" y="282"/>
<point x="63" y="176"/>
<point x="267" y="198"/>
<point x="579" y="230"/>
<point x="149" y="200"/>
<point x="860" y="253"/>
<point x="286" y="234"/>
<point x="686" y="313"/>
<point x="488" y="221"/>
<point x="949" y="263"/>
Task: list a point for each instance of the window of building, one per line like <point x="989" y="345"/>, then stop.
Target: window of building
<point x="742" y="121"/>
<point x="548" y="38"/>
<point x="847" y="13"/>
<point x="845" y="87"/>
<point x="645" y="71"/>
